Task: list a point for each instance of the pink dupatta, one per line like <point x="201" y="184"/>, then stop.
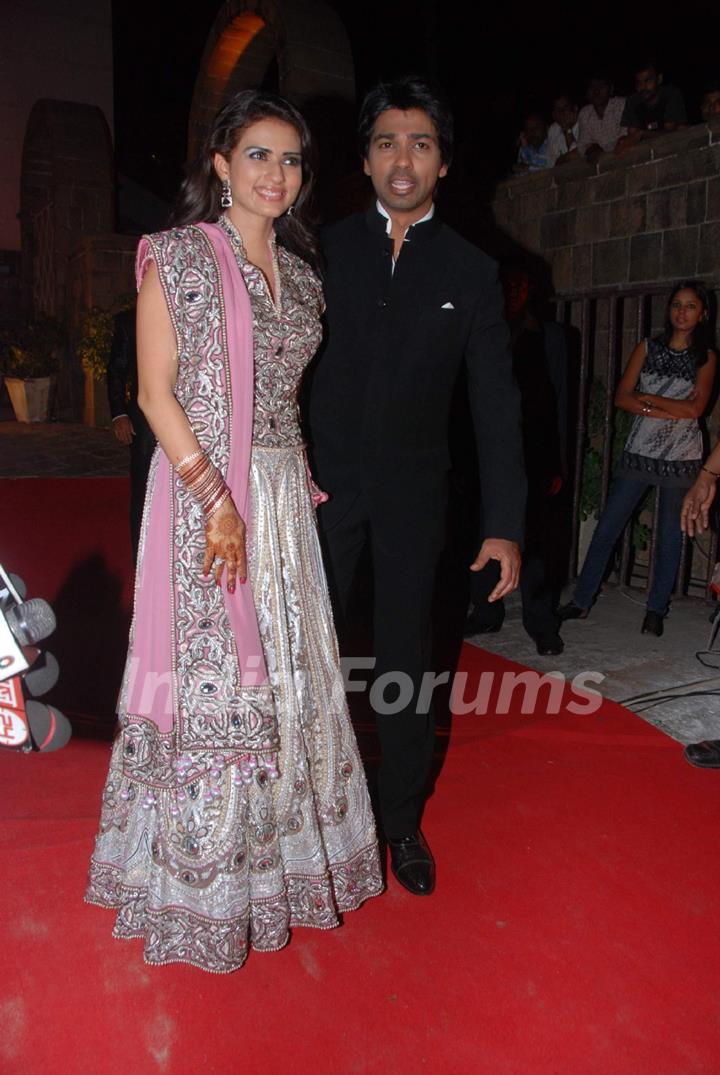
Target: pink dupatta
<point x="150" y="660"/>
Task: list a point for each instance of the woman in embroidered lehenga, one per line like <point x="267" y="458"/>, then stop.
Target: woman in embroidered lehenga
<point x="236" y="805"/>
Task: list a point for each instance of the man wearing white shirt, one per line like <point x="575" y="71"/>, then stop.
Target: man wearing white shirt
<point x="563" y="132"/>
<point x="599" y="122"/>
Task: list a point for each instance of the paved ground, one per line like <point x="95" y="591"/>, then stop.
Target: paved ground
<point x="647" y="674"/>
<point x="59" y="450"/>
<point x="655" y="677"/>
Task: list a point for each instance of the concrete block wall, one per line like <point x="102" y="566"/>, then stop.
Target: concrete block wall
<point x="651" y="215"/>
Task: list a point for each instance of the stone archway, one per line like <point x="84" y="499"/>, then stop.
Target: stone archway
<point x="305" y="38"/>
<point x="66" y="191"/>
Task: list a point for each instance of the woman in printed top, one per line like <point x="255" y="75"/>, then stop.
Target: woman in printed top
<point x="666" y="385"/>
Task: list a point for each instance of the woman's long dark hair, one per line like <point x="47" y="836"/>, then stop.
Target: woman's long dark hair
<point x="702" y="338"/>
<point x="199" y="196"/>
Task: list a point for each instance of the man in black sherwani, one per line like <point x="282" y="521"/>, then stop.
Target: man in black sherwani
<point x="408" y="300"/>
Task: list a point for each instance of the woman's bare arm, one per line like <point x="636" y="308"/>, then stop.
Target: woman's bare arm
<point x="626" y="396"/>
<point x="157" y="372"/>
<point x="693" y="407"/>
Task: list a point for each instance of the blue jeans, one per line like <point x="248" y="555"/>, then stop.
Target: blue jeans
<point x="625" y="494"/>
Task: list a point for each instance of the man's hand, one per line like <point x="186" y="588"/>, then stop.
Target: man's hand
<point x="122" y="427"/>
<point x="695" y="506"/>
<point x="507" y="553"/>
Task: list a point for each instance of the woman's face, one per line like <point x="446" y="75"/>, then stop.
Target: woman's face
<point x="264" y="169"/>
<point x="686" y="310"/>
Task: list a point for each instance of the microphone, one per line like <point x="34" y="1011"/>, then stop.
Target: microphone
<point x="43" y="674"/>
<point x="18" y="585"/>
<point x="30" y="621"/>
<point x="24" y="668"/>
<point x="49" y="728"/>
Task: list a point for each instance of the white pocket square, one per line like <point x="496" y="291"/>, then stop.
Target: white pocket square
<point x="447" y="306"/>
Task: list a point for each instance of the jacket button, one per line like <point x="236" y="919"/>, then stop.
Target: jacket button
<point x="382" y="303"/>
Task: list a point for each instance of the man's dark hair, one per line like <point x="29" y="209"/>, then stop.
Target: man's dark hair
<point x="649" y="63"/>
<point x="404" y="94"/>
<point x="600" y="76"/>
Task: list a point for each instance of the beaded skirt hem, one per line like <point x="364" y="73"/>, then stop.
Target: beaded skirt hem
<point x="177" y="935"/>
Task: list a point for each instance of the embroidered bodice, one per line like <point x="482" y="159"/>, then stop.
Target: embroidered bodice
<point x="286" y="335"/>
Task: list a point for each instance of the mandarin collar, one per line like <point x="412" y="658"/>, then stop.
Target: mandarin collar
<point x="377" y="223"/>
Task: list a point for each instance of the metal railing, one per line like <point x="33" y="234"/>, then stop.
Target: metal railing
<point x="627" y="312"/>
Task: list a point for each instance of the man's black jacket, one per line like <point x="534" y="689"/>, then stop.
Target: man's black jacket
<point x="122" y="378"/>
<point x="382" y="385"/>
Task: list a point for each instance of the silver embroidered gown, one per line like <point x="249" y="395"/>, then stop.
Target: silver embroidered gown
<point x="204" y="871"/>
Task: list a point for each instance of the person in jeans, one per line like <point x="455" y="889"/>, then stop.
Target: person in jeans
<point x="666" y="385"/>
<point x="695" y="519"/>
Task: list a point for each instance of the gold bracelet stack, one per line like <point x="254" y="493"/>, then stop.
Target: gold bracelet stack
<point x="204" y="481"/>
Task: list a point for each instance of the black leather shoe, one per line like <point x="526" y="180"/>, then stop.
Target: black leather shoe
<point x="652" y="624"/>
<point x="478" y="624"/>
<point x="571" y="611"/>
<point x="705" y="755"/>
<point x="549" y="644"/>
<point x="412" y="864"/>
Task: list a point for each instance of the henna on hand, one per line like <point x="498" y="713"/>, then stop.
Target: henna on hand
<point x="225" y="540"/>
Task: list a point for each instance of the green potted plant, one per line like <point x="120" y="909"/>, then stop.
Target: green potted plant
<point x="30" y="360"/>
<point x="93" y="350"/>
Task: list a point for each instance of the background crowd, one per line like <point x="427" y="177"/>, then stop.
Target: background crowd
<point x="608" y="123"/>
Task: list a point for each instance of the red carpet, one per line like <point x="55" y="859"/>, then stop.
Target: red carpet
<point x="69" y="539"/>
<point x="574" y="928"/>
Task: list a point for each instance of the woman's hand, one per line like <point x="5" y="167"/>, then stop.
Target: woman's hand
<point x="225" y="545"/>
<point x="696" y="505"/>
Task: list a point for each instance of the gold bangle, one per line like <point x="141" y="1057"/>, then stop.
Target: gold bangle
<point x="189" y="459"/>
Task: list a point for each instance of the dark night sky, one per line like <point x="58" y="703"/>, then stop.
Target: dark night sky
<point x="494" y="66"/>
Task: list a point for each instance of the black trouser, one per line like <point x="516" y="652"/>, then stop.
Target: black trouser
<point x="405" y="531"/>
<point x="538" y="597"/>
<point x="541" y="573"/>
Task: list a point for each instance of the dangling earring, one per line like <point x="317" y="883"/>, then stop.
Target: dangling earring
<point x="226" y="196"/>
<point x="290" y="211"/>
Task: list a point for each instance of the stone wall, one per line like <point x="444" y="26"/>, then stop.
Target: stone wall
<point x="50" y="48"/>
<point x="67" y="192"/>
<point x="650" y="216"/>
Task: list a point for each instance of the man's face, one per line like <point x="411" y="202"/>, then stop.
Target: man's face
<point x="598" y="92"/>
<point x="516" y="286"/>
<point x="535" y="131"/>
<point x="403" y="161"/>
<point x="711" y="104"/>
<point x="647" y="83"/>
<point x="564" y="113"/>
